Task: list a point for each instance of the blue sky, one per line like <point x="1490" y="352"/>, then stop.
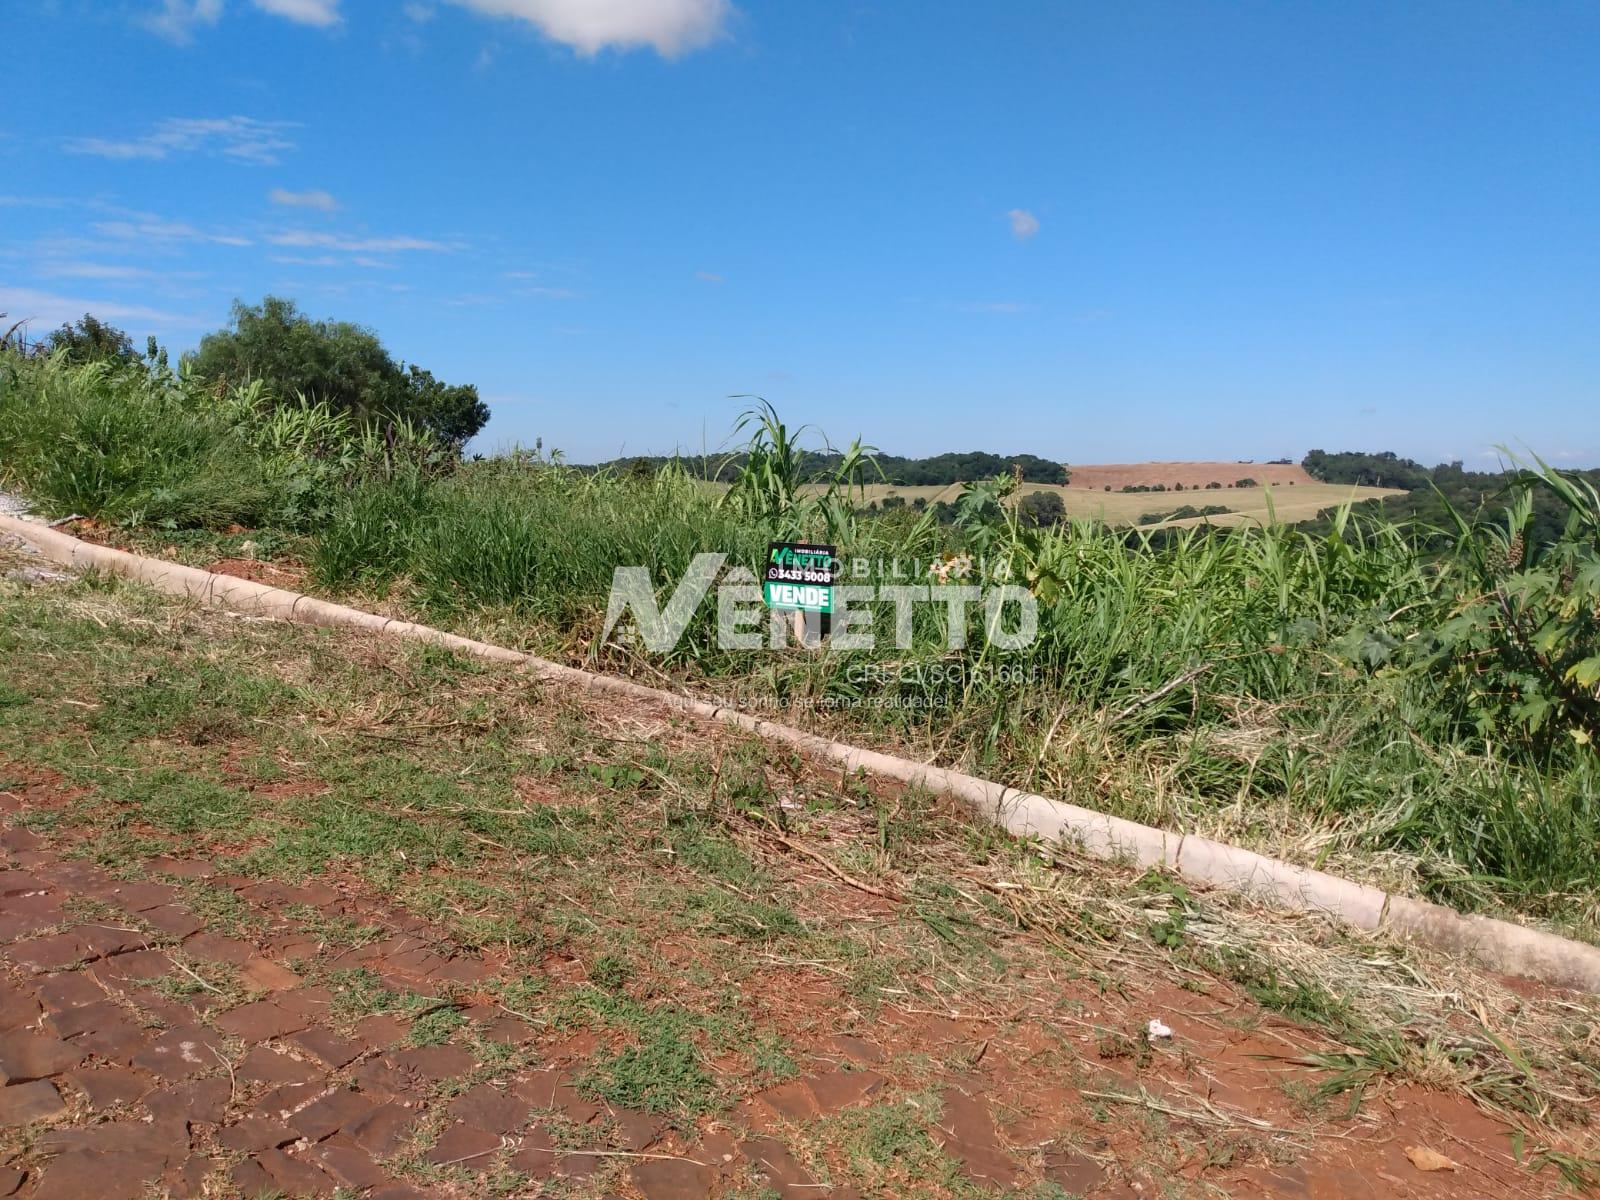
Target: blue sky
<point x="1097" y="232"/>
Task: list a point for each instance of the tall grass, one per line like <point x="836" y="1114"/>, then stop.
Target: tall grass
<point x="131" y="443"/>
<point x="119" y="442"/>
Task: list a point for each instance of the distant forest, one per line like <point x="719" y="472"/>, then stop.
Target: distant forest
<point x="1433" y="490"/>
<point x="941" y="469"/>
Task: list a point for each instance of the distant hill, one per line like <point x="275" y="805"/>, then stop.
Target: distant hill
<point x="939" y="469"/>
<point x="1432" y="491"/>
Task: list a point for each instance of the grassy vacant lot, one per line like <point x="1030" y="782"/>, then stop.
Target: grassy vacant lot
<point x="1416" y="707"/>
<point x="429" y="928"/>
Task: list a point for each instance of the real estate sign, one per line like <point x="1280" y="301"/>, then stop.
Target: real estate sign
<point x="799" y="576"/>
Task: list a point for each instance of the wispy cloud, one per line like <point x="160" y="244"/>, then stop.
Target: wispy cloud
<point x="176" y="20"/>
<point x="50" y="308"/>
<point x="995" y="306"/>
<point x="243" y="139"/>
<point x="421" y="14"/>
<point x="332" y="260"/>
<point x="112" y="272"/>
<point x="710" y="277"/>
<point x="670" y="27"/>
<point x="543" y="291"/>
<point x="1023" y="224"/>
<point x="479" y="299"/>
<point x="320" y="200"/>
<point x="37" y="202"/>
<point x="312" y="239"/>
<point x="321" y="13"/>
<point x="153" y="229"/>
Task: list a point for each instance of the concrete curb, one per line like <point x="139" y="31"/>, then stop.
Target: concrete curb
<point x="1500" y="945"/>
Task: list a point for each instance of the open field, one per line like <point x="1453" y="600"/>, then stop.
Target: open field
<point x="1097" y="476"/>
<point x="1284" y="503"/>
<point x="290" y="909"/>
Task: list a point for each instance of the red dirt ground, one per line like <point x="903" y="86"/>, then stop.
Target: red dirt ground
<point x="137" y="1083"/>
<point x="282" y="575"/>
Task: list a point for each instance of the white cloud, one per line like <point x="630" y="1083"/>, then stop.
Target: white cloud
<point x="710" y="277"/>
<point x="1023" y="224"/>
<point x="176" y="20"/>
<point x="309" y="239"/>
<point x="94" y="270"/>
<point x="242" y="138"/>
<point x="153" y="229"/>
<point x="314" y="198"/>
<point x="419" y="13"/>
<point x="590" y="26"/>
<point x="321" y="13"/>
<point x="47" y="309"/>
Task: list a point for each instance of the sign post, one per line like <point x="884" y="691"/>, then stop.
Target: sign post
<point x="799" y="579"/>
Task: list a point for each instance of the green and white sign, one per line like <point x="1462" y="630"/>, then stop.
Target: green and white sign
<point x="799" y="576"/>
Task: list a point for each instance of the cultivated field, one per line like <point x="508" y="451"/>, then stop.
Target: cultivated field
<point x="1283" y="504"/>
<point x="1097" y="476"/>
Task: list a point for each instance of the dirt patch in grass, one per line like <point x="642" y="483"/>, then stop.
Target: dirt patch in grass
<point x="274" y="574"/>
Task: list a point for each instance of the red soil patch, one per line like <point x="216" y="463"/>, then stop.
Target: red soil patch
<point x="280" y="575"/>
<point x="1096" y="476"/>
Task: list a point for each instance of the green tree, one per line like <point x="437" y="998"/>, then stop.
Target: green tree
<point x="89" y="339"/>
<point x="1042" y="508"/>
<point x="337" y="362"/>
<point x="452" y="411"/>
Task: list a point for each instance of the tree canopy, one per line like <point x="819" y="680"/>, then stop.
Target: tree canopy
<point x="337" y="362"/>
<point x="89" y="339"/>
<point x="1434" y="491"/>
<point x="1383" y="469"/>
